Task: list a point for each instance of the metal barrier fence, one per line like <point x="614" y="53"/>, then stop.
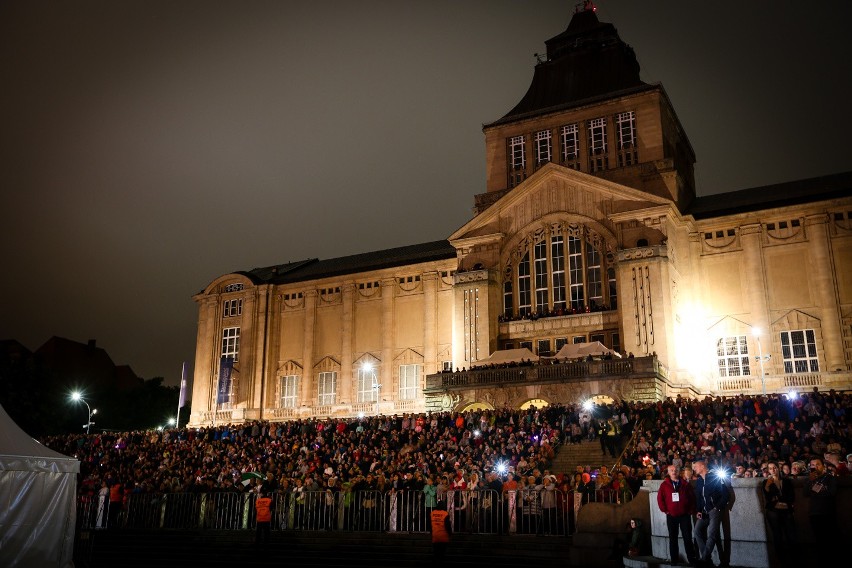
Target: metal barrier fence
<point x="534" y="512"/>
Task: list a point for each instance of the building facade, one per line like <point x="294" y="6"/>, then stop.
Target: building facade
<point x="589" y="230"/>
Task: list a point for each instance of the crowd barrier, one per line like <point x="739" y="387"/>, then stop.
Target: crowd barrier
<point x="533" y="512"/>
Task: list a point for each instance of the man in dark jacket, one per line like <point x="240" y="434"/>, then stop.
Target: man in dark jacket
<point x="676" y="500"/>
<point x="711" y="502"/>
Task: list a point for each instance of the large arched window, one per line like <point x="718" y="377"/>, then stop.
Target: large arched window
<point x="563" y="269"/>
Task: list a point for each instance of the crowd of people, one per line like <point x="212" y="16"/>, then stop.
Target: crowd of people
<point x="488" y="450"/>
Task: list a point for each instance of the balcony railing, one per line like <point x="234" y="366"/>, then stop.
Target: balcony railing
<point x="579" y="370"/>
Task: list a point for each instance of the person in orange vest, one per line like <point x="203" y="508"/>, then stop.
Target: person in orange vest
<point x="263" y="517"/>
<point x="441" y="530"/>
<point x="116" y="496"/>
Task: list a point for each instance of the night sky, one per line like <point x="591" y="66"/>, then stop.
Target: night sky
<point x="149" y="147"/>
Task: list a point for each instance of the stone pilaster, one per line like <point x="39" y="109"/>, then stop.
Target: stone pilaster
<point x="308" y="379"/>
<point x="346" y="384"/>
<point x="388" y="328"/>
<point x="824" y="277"/>
<point x="430" y="322"/>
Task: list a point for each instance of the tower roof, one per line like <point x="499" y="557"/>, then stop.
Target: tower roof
<point x="585" y="61"/>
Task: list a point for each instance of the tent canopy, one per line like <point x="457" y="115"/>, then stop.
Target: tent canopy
<point x="38" y="488"/>
<point x="579" y="350"/>
<point x="508" y="356"/>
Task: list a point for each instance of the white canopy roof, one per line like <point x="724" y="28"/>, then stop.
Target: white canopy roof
<point x="509" y="356"/>
<point x="578" y="350"/>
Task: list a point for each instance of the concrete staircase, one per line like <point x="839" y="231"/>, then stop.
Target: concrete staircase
<point x="585" y="453"/>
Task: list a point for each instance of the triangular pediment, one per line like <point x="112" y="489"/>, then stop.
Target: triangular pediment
<point x="555" y="190"/>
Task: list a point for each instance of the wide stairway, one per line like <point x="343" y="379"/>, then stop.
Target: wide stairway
<point x="585" y="453"/>
<point x="129" y="548"/>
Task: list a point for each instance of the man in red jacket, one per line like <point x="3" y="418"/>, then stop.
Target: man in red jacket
<point x="676" y="500"/>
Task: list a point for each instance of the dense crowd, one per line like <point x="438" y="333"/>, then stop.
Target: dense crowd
<point x="742" y="433"/>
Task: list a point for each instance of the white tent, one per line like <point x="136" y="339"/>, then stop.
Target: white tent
<point x="38" y="489"/>
<point x="508" y="356"/>
<point x="579" y="350"/>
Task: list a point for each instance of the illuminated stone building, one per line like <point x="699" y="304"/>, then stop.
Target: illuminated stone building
<point x="589" y="230"/>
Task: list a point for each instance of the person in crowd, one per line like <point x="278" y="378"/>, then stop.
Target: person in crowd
<point x="821" y="491"/>
<point x="263" y="517"/>
<point x="442" y="528"/>
<point x="778" y="498"/>
<point x="711" y="502"/>
<point x="676" y="500"/>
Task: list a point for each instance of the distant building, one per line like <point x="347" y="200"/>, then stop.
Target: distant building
<point x="590" y="230"/>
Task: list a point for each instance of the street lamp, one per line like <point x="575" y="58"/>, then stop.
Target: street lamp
<point x="77" y="397"/>
<point x="760" y="358"/>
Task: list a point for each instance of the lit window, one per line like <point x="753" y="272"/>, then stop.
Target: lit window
<point x="524" y="306"/>
<point x="289" y="388"/>
<point x="541" y="303"/>
<point x="231" y="343"/>
<point x="569" y="138"/>
<point x="543" y="147"/>
<point x="232" y="308"/>
<point x="597" y="145"/>
<point x="327" y="388"/>
<point x="409" y="381"/>
<point x="517" y="160"/>
<point x="367" y="385"/>
<point x="732" y="356"/>
<point x="625" y="123"/>
<point x="798" y="348"/>
<point x="557" y="261"/>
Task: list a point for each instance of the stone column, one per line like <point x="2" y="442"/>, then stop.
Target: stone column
<point x="388" y="328"/>
<point x="346" y="383"/>
<point x="308" y="379"/>
<point x="755" y="279"/>
<point x="430" y="322"/>
<point x="823" y="276"/>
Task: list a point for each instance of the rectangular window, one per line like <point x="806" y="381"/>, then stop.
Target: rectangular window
<point x="625" y="124"/>
<point x="409" y="382"/>
<point x="798" y="348"/>
<point x="447" y="366"/>
<point x="367" y="381"/>
<point x="525" y="345"/>
<point x="732" y="356"/>
<point x="557" y="261"/>
<point x="560" y="342"/>
<point x="507" y="299"/>
<point x="524" y="298"/>
<point x="327" y="388"/>
<point x="541" y="304"/>
<point x="575" y="272"/>
<point x="616" y="342"/>
<point x="570" y="140"/>
<point x="231" y="343"/>
<point x="597" y="337"/>
<point x="543" y="147"/>
<point x="543" y="347"/>
<point x="517" y="160"/>
<point x="232" y="308"/>
<point x="594" y="285"/>
<point x="597" y="145"/>
<point x="613" y="289"/>
<point x="289" y="389"/>
<point x="578" y="339"/>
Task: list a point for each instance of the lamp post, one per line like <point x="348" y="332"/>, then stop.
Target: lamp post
<point x="77" y="397"/>
<point x="760" y="358"/>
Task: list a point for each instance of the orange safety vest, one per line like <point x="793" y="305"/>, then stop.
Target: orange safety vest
<point x="263" y="507"/>
<point x="439" y="528"/>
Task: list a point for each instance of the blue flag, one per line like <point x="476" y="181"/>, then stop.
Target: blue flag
<point x="226" y="365"/>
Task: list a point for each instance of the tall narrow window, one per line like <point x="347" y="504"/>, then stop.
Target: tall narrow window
<point x="613" y="289"/>
<point x="543" y="348"/>
<point x="541" y="304"/>
<point x="289" y="389"/>
<point x="507" y="299"/>
<point x="597" y="145"/>
<point x="798" y="348"/>
<point x="732" y="356"/>
<point x="575" y="272"/>
<point x="231" y="343"/>
<point x="594" y="285"/>
<point x="625" y="124"/>
<point x="367" y="381"/>
<point x="570" y="141"/>
<point x="543" y="147"/>
<point x="524" y="306"/>
<point x="327" y="388"/>
<point x="557" y="261"/>
<point x="409" y="381"/>
<point x="517" y="160"/>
